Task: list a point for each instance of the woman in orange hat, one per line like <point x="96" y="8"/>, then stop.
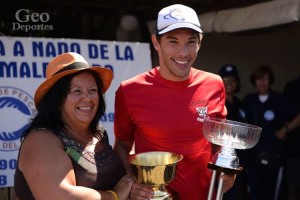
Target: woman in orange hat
<point x="65" y="153"/>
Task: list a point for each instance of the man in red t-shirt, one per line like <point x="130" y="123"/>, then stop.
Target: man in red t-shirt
<point x="161" y="110"/>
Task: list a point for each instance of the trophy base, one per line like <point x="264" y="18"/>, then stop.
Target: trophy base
<point x="221" y="170"/>
<point x="213" y="166"/>
<point x="161" y="194"/>
<point x="167" y="197"/>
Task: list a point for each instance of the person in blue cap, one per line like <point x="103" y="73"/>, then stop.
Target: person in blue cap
<point x="236" y="112"/>
<point x="234" y="105"/>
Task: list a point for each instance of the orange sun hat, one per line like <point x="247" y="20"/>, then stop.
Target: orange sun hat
<point x="69" y="63"/>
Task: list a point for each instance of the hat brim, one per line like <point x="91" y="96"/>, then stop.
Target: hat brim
<point x="180" y="25"/>
<point x="105" y="74"/>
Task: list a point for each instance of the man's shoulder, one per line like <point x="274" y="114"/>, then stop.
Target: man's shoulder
<point x="138" y="79"/>
<point x="197" y="73"/>
<point x="295" y="83"/>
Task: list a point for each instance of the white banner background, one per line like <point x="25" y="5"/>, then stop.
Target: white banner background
<point x="22" y="69"/>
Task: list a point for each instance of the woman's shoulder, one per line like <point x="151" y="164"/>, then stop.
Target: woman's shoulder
<point x="237" y="100"/>
<point x="250" y="96"/>
<point x="40" y="135"/>
<point x="40" y="141"/>
<point x="43" y="160"/>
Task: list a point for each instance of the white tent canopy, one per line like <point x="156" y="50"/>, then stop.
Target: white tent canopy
<point x="260" y="15"/>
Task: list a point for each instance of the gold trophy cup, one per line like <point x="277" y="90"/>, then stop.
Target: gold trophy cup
<point x="155" y="169"/>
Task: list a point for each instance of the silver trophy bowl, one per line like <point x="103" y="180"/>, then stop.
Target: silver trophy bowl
<point x="230" y="135"/>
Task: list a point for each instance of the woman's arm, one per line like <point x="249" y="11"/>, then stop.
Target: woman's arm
<point x="49" y="172"/>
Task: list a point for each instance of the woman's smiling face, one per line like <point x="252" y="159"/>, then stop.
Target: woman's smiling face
<point x="81" y="104"/>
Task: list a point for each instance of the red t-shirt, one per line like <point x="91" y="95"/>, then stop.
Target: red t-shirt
<point x="161" y="115"/>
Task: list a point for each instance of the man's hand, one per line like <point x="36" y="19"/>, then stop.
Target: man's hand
<point x="228" y="181"/>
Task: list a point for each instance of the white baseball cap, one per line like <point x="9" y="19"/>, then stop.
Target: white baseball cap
<point x="177" y="16"/>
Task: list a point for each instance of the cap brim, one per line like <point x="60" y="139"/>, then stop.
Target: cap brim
<point x="105" y="74"/>
<point x="180" y="25"/>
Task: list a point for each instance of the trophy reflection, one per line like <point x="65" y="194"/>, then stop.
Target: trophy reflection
<point x="155" y="169"/>
<point x="230" y="135"/>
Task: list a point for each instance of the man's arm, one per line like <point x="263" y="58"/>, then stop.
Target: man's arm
<point x="281" y="133"/>
<point x="123" y="149"/>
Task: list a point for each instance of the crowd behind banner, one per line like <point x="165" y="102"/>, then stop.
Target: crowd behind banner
<point x="23" y="64"/>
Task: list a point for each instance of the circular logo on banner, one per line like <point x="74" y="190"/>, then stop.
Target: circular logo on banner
<point x="16" y="109"/>
<point x="269" y="115"/>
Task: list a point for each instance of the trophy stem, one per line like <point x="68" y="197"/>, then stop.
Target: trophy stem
<point x="228" y="151"/>
<point x="227" y="158"/>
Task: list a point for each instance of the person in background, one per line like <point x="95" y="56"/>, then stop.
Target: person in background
<point x="236" y="112"/>
<point x="65" y="152"/>
<point x="163" y="109"/>
<point x="290" y="133"/>
<point x="231" y="80"/>
<point x="269" y="110"/>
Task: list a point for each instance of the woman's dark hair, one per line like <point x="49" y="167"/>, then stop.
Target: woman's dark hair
<point x="260" y="72"/>
<point x="49" y="108"/>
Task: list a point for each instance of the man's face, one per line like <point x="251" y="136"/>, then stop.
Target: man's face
<point x="177" y="51"/>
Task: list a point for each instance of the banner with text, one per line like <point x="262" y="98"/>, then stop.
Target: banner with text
<point x="23" y="63"/>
